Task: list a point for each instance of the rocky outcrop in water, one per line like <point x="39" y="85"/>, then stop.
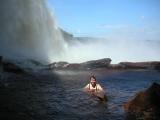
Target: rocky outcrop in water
<point x="101" y="63"/>
<point x="6" y="66"/>
<point x="10" y="67"/>
<point x="153" y="65"/>
<point x="93" y="64"/>
<point x="146" y="104"/>
<point x="105" y="63"/>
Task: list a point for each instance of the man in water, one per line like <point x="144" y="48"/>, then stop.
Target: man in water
<point x="95" y="89"/>
<point x="93" y="86"/>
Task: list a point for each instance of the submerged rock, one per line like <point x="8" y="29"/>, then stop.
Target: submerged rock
<point x="146" y="104"/>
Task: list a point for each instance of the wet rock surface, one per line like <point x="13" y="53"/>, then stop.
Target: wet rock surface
<point x="146" y="104"/>
<point x="8" y="66"/>
<point x="154" y="65"/>
<point x="93" y="64"/>
<point x="101" y="63"/>
<point x="105" y="64"/>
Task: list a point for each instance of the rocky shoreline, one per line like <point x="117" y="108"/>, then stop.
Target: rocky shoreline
<point x="105" y="64"/>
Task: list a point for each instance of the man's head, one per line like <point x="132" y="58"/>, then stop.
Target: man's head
<point x="93" y="81"/>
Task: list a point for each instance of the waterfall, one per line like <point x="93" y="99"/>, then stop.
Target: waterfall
<point x="28" y="31"/>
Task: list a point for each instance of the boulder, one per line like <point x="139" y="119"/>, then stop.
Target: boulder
<point x="101" y="63"/>
<point x="11" y="67"/>
<point x="146" y="103"/>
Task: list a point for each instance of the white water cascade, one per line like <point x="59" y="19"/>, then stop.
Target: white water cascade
<point x="28" y="30"/>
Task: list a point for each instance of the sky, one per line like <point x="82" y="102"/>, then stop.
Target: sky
<point x="101" y="18"/>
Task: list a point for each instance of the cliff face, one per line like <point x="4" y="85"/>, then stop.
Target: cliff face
<point x="146" y="103"/>
<point x="67" y="36"/>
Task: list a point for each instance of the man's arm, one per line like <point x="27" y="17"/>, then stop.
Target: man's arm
<point x="86" y="88"/>
<point x="99" y="87"/>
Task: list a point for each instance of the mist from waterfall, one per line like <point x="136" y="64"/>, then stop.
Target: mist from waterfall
<point x="133" y="46"/>
<point x="28" y="31"/>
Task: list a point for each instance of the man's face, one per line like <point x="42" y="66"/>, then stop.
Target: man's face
<point x="93" y="84"/>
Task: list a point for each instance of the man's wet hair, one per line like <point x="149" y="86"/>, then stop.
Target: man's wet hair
<point x="93" y="76"/>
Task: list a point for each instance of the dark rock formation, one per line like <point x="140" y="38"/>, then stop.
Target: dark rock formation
<point x="102" y="63"/>
<point x="6" y="66"/>
<point x="69" y="38"/>
<point x="157" y="66"/>
<point x="153" y="65"/>
<point x="105" y="63"/>
<point x="1" y="59"/>
<point x="146" y="104"/>
<point x="10" y="67"/>
<point x="141" y="65"/>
